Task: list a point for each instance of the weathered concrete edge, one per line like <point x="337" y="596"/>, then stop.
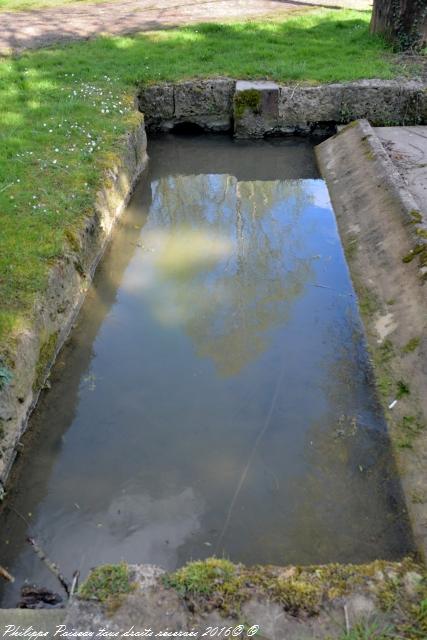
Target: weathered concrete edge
<point x="290" y="602"/>
<point x="56" y="309"/>
<point x="381" y="227"/>
<point x="253" y="109"/>
<point x="317" y="601"/>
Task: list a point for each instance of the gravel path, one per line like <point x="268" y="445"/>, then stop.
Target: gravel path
<point x="21" y="30"/>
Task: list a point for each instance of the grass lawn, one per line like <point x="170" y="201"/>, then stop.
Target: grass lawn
<point x="63" y="110"/>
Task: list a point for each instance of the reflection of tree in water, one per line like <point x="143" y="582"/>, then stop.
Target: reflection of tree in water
<point x="231" y="259"/>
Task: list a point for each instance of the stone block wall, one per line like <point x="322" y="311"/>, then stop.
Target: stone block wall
<point x="259" y="108"/>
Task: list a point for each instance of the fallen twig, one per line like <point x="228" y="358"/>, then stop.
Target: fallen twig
<point x="6" y="575"/>
<point x="50" y="565"/>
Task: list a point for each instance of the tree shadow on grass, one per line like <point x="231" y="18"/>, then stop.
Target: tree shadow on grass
<point x="37" y="28"/>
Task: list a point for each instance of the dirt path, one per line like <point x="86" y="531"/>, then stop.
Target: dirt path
<point x="42" y="27"/>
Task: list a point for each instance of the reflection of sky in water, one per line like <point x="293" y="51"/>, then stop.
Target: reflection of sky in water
<point x="227" y="262"/>
<point x="207" y="326"/>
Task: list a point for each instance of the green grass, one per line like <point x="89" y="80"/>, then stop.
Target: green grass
<point x="64" y="109"/>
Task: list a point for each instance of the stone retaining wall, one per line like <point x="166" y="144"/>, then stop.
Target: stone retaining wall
<point x="256" y="109"/>
<point x="273" y="603"/>
<point x="57" y="308"/>
<point x="384" y="234"/>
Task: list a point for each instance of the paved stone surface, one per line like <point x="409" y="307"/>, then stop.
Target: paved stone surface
<point x="39" y="619"/>
<point x="42" y="27"/>
<point x="407" y="147"/>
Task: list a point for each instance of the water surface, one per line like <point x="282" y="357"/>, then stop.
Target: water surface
<point x="215" y="396"/>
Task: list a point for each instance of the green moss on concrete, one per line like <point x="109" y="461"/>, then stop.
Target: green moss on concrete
<point x="72" y="239"/>
<point x="106" y="583"/>
<point x="217" y="583"/>
<point x="46" y="353"/>
<point x="368" y="302"/>
<point x="385" y="351"/>
<point x="411" y="345"/>
<point x="350" y="245"/>
<point x="387" y="594"/>
<point x="408" y="429"/>
<point x="298" y="596"/>
<point x="421" y="251"/>
<point x="203" y="577"/>
<point x="416" y="216"/>
<point x="247" y="100"/>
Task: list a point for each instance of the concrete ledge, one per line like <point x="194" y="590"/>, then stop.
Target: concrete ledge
<point x="55" y="310"/>
<point x="259" y="108"/>
<point x="383" y="233"/>
<point x="40" y="619"/>
<point x="270" y="602"/>
<point x="206" y="103"/>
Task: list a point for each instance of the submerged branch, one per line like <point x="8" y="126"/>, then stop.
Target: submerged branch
<point x="50" y="565"/>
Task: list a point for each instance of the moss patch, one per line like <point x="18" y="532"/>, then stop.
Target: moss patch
<point x="217" y="583"/>
<point x="411" y="345"/>
<point x="350" y="245"/>
<point x="46" y="353"/>
<point x="247" y="100"/>
<point x="421" y="251"/>
<point x="106" y="583"/>
<point x="416" y="216"/>
<point x="72" y="239"/>
<point x="407" y="431"/>
<point x="368" y="302"/>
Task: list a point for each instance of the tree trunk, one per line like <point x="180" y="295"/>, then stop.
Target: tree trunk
<point x="401" y="22"/>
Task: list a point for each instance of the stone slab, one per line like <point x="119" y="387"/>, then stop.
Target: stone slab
<point x="257" y="117"/>
<point x="407" y="148"/>
<point x="383" y="231"/>
<point x="40" y="619"/>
